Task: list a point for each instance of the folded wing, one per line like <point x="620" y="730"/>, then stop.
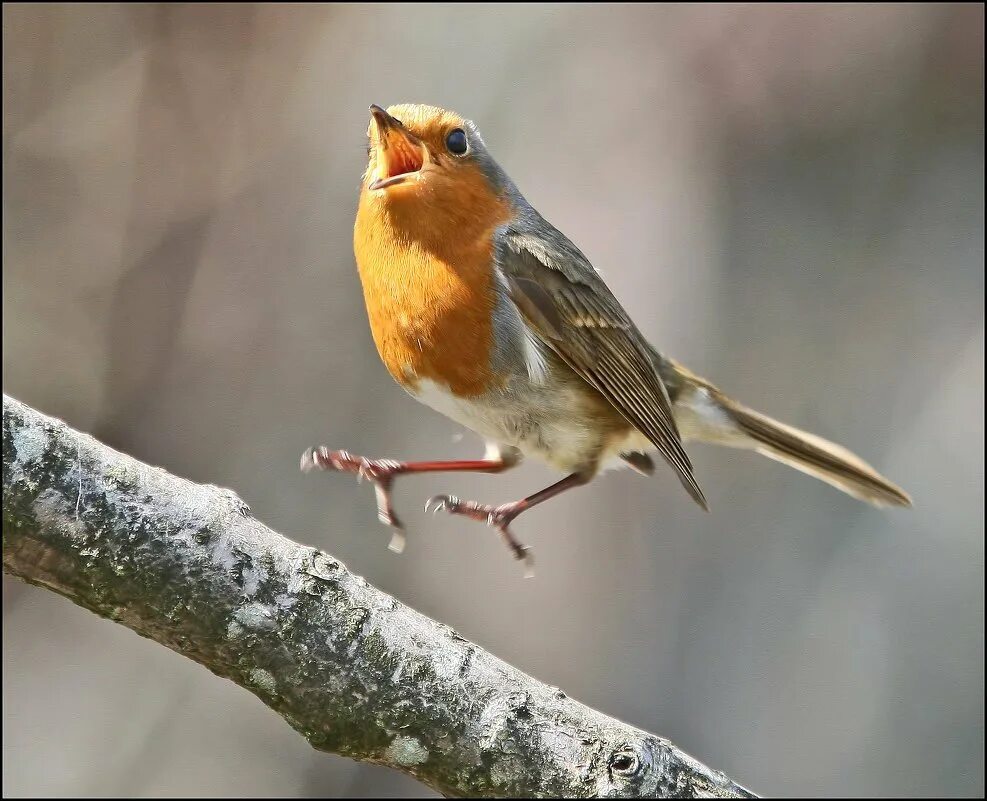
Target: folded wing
<point x="572" y="310"/>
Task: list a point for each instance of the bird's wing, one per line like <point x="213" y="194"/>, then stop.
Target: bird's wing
<point x="571" y="309"/>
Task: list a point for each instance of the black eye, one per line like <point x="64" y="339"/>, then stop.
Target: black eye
<point x="456" y="142"/>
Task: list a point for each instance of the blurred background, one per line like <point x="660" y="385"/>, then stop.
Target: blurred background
<point x="788" y="199"/>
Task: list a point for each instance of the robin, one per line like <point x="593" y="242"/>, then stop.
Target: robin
<point x="483" y="310"/>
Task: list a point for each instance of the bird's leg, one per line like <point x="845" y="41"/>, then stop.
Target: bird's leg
<point x="382" y="472"/>
<point x="500" y="517"/>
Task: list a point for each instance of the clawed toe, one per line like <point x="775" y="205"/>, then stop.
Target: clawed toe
<point x="387" y="515"/>
<point x="380" y="472"/>
<point x="471" y="509"/>
<point x="439" y="503"/>
<point x="398" y="540"/>
<point x="529" y="562"/>
<point x="321" y="458"/>
<point x="497" y="517"/>
<point x="308" y="461"/>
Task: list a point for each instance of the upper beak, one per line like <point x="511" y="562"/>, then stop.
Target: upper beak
<point x="383" y="120"/>
<point x="400" y="154"/>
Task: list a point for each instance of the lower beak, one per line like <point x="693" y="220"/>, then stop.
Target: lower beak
<point x="400" y="154"/>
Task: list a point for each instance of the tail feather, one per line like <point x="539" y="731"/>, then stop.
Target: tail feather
<point x="814" y="455"/>
<point x="705" y="414"/>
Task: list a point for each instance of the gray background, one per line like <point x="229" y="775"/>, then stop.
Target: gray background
<point x="788" y="199"/>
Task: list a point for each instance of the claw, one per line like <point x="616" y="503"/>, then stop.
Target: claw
<point x="323" y="459"/>
<point x="397" y="543"/>
<point x="529" y="562"/>
<point x="496" y="517"/>
<point x="380" y="473"/>
<point x="438" y="503"/>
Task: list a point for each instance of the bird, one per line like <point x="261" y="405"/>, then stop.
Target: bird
<point x="483" y="310"/>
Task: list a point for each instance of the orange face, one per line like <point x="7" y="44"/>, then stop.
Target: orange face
<point x="413" y="146"/>
<point x="427" y="170"/>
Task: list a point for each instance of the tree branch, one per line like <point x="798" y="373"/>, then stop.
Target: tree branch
<point x="350" y="668"/>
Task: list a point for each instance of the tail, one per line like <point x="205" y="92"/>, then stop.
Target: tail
<point x="816" y="456"/>
<point x="704" y="413"/>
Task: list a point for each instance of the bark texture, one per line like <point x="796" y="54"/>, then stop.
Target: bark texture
<point x="350" y="668"/>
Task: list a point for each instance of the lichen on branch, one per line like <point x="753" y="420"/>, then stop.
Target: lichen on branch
<point x="350" y="668"/>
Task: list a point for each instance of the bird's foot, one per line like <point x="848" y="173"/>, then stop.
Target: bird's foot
<point x="497" y="517"/>
<point x="380" y="472"/>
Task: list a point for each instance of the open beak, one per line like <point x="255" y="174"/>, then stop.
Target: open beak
<point x="400" y="154"/>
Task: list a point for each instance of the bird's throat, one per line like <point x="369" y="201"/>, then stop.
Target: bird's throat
<point x="430" y="309"/>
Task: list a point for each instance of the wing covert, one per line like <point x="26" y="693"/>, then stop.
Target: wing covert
<point x="572" y="310"/>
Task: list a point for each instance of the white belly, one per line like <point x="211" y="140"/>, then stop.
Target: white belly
<point x="552" y="425"/>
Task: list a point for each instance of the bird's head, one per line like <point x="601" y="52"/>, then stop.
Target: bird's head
<point x="424" y="155"/>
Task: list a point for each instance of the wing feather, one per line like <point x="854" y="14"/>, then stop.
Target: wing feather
<point x="572" y="310"/>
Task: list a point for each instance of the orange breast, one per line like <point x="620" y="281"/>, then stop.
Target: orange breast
<point x="429" y="287"/>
